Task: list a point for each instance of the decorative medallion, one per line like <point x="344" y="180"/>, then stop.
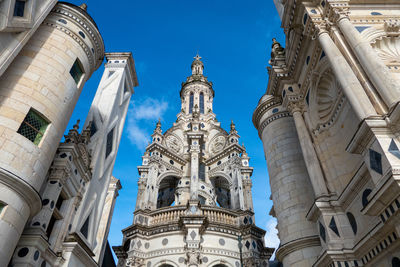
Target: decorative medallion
<point x="173" y="143"/>
<point x="217" y="144"/>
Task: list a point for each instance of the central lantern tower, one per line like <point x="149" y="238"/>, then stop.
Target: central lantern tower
<point x="194" y="205"/>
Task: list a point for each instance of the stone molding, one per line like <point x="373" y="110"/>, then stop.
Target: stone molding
<point x="64" y="10"/>
<point x="268" y="120"/>
<point x="23" y="189"/>
<point x="297" y="244"/>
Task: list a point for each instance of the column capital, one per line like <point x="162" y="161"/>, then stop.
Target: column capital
<point x="322" y="27"/>
<point x="297" y="106"/>
<point x="338" y="10"/>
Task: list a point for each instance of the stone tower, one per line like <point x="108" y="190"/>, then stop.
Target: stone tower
<point x="194" y="192"/>
<point x="39" y="90"/>
<point x="57" y="196"/>
<point x="329" y="123"/>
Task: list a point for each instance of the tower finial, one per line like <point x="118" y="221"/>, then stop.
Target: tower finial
<point x="197" y="65"/>
<point x="83" y="6"/>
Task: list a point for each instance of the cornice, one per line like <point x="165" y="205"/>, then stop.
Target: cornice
<point x="80" y="18"/>
<point x="23" y="189"/>
<point x="263" y="106"/>
<point x="297" y="244"/>
<point x="273" y="117"/>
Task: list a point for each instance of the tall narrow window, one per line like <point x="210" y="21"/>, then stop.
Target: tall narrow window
<point x="76" y="71"/>
<point x="1" y="207"/>
<point x="365" y="195"/>
<point x="19" y="8"/>
<point x="201" y="103"/>
<point x="352" y="221"/>
<point x="56" y="216"/>
<point x="191" y="99"/>
<point x="109" y="143"/>
<point x="93" y="128"/>
<point x="202" y="172"/>
<point x="33" y="127"/>
<point x="85" y="228"/>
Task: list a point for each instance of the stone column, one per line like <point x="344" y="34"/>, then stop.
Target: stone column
<point x="352" y="88"/>
<point x="309" y="154"/>
<point x="240" y="188"/>
<point x="384" y="81"/>
<point x="151" y="189"/>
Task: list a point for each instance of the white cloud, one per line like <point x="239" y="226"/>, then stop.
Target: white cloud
<point x="142" y="116"/>
<point x="271" y="237"/>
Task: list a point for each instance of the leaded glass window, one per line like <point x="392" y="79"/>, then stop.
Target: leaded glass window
<point x="33" y="127"/>
<point x="109" y="143"/>
<point x="191" y="99"/>
<point x="201" y="103"/>
<point x="19" y="8"/>
<point x="76" y="71"/>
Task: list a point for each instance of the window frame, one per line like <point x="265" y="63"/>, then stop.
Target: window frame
<point x="191" y="102"/>
<point x="39" y="132"/>
<point x="77" y="64"/>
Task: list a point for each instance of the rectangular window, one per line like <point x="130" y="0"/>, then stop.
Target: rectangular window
<point x="1" y="207"/>
<point x="93" y="128"/>
<point x="19" y="8"/>
<point x="33" y="127"/>
<point x="109" y="143"/>
<point x="56" y="216"/>
<point x="76" y="71"/>
<point x="85" y="228"/>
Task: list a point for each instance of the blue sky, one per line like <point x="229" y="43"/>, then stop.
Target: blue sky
<point x="234" y="40"/>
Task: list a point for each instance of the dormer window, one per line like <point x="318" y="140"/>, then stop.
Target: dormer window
<point x="19" y="8"/>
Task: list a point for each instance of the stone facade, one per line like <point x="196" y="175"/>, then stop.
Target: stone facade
<point x="329" y="123"/>
<point x="56" y="200"/>
<point x="194" y="192"/>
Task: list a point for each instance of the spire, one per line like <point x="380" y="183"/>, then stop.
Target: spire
<point x="233" y="128"/>
<point x="83" y="6"/>
<point x="158" y="127"/>
<point x="197" y="66"/>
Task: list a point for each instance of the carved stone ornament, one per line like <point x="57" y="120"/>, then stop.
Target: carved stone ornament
<point x="388" y="49"/>
<point x="217" y="144"/>
<point x="193" y="258"/>
<point x="392" y="27"/>
<point x="173" y="143"/>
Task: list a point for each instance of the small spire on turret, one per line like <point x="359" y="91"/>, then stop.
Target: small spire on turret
<point x="83" y="6"/>
<point x="76" y="125"/>
<point x="233" y="127"/>
<point x="158" y="127"/>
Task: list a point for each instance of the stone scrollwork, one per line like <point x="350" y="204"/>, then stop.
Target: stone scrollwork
<point x="217" y="144"/>
<point x="173" y="143"/>
<point x="388" y="49"/>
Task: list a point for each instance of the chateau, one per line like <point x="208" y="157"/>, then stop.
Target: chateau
<point x="194" y="205"/>
<point x="329" y="123"/>
<point x="57" y="199"/>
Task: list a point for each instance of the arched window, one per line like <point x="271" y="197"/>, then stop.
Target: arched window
<point x="222" y="190"/>
<point x="352" y="221"/>
<point x="365" y="195"/>
<point x="395" y="262"/>
<point x="191" y="99"/>
<point x="166" y="192"/>
<point x="201" y="103"/>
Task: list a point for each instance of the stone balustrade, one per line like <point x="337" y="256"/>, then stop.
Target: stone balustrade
<point x="170" y="215"/>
